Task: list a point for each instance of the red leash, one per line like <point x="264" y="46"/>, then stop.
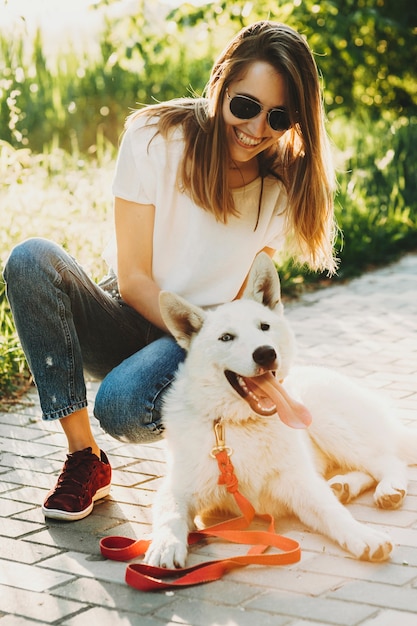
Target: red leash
<point x="147" y="578"/>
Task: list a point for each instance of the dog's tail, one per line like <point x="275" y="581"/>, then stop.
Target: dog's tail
<point x="408" y="444"/>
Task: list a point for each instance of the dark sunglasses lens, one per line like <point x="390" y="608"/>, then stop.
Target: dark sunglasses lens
<point x="279" y="120"/>
<point x="243" y="108"/>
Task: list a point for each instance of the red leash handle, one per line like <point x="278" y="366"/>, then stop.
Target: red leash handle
<point x="148" y="578"/>
<point x="123" y="548"/>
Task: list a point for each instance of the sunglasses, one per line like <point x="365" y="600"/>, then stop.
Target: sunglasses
<point x="245" y="108"/>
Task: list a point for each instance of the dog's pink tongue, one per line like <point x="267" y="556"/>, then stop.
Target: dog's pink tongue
<point x="291" y="412"/>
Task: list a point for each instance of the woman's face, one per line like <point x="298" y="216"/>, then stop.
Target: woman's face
<point x="247" y="138"/>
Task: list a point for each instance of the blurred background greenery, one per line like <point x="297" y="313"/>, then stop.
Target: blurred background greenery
<point x="63" y="105"/>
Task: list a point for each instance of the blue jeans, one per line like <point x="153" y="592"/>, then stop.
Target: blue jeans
<point x="67" y="324"/>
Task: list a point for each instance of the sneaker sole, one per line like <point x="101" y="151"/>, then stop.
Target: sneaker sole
<point x="69" y="516"/>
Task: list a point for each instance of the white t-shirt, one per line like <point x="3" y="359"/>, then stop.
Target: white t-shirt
<point x="194" y="255"/>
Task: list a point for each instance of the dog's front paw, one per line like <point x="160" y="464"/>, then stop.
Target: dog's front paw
<point x="370" y="545"/>
<point x="166" y="552"/>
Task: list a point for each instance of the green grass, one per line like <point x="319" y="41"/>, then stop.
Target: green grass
<point x="378" y="194"/>
<point x="13" y="372"/>
<point x="58" y="196"/>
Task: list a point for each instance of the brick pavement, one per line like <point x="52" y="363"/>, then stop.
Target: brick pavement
<point x="53" y="573"/>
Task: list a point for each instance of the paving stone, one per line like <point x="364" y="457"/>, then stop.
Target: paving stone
<point x="31" y="495"/>
<point x="28" y="477"/>
<point x="401" y="518"/>
<point x="131" y="530"/>
<point x="25" y="448"/>
<point x="127" y="478"/>
<point x="31" y="514"/>
<point x="20" y="432"/>
<point x="23" y="551"/>
<point x="404" y="536"/>
<point x="121" y="510"/>
<point x="16" y="528"/>
<point x="406" y="556"/>
<point x="305" y="622"/>
<point x="148" y="466"/>
<point x="283" y="579"/>
<point x="226" y="591"/>
<point x="323" y="610"/>
<point x="6" y="487"/>
<point x="128" y="495"/>
<point x="9" y="507"/>
<point x="101" y="593"/>
<point x="36" y="606"/>
<point x="152" y="452"/>
<point x="29" y="577"/>
<point x="377" y="594"/>
<point x="87" y="566"/>
<point x="391" y="618"/>
<point x="62" y="535"/>
<point x="109" y="617"/>
<point x="198" y="613"/>
<point x="360" y="570"/>
<point x="15" y="620"/>
<point x="30" y="463"/>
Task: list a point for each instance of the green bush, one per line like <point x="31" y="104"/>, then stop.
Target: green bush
<point x="13" y="370"/>
<point x="377" y="201"/>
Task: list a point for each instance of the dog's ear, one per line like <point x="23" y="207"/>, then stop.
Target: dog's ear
<point x="263" y="282"/>
<point x="182" y="318"/>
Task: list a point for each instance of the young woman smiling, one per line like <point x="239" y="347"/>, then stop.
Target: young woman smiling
<point x="202" y="185"/>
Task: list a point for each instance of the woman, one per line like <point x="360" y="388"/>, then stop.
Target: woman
<point x="201" y="186"/>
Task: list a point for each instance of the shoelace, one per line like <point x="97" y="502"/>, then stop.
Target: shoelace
<point x="76" y="473"/>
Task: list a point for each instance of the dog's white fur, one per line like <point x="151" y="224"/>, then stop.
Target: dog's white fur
<point x="353" y="436"/>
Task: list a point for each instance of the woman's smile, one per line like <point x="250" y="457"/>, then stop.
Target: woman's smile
<point x="248" y="137"/>
<point x="245" y="139"/>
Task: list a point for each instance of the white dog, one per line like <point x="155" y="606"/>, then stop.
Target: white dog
<point x="237" y="353"/>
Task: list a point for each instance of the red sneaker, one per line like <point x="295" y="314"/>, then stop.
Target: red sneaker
<point x="84" y="479"/>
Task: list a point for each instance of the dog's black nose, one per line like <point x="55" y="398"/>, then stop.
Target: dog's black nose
<point x="265" y="356"/>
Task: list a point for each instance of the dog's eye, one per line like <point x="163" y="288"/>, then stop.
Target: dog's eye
<point x="265" y="326"/>
<point x="226" y="337"/>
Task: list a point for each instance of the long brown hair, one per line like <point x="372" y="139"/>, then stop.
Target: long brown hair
<point x="300" y="158"/>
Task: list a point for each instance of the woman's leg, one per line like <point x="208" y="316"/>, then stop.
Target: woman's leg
<point x="77" y="428"/>
<point x="66" y="322"/>
<point x="129" y="400"/>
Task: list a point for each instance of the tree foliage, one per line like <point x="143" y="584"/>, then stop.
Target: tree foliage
<point x="366" y="51"/>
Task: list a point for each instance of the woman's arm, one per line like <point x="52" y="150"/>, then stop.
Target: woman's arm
<point x="134" y="225"/>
